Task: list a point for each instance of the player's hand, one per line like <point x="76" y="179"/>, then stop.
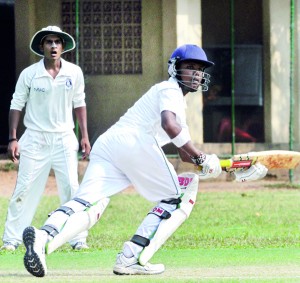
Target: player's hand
<point x="85" y="148"/>
<point x="13" y="151"/>
<point x="210" y="168"/>
<point x="255" y="172"/>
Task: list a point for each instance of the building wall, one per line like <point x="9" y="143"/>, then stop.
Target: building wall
<point x="107" y="96"/>
<point x="165" y="25"/>
<point x="31" y="16"/>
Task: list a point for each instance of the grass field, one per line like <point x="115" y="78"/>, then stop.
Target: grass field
<point x="240" y="236"/>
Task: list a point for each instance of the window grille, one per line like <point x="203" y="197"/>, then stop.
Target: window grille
<point x="110" y="35"/>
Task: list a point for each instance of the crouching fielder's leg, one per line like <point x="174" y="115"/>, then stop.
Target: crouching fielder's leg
<point x="161" y="222"/>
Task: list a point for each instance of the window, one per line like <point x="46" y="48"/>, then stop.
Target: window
<point x="248" y="66"/>
<point x="109" y="35"/>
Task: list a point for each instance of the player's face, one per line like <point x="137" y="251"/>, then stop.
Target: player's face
<point x="191" y="74"/>
<point x="52" y="46"/>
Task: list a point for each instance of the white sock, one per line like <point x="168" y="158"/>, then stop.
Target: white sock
<point x="131" y="249"/>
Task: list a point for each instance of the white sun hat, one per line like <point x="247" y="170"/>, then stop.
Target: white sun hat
<point x="68" y="40"/>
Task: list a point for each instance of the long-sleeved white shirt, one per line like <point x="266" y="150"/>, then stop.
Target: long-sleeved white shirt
<point x="49" y="102"/>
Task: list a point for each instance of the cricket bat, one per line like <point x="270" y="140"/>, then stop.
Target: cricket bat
<point x="272" y="159"/>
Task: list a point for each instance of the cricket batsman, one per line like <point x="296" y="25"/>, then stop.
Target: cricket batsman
<point x="130" y="152"/>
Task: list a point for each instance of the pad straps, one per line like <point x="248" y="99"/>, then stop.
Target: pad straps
<point x="51" y="230"/>
<point x="83" y="202"/>
<point x="160" y="212"/>
<point x="140" y="240"/>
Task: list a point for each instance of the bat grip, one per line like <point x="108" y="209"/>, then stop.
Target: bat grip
<point x="225" y="163"/>
<point x="228" y="163"/>
<point x="233" y="164"/>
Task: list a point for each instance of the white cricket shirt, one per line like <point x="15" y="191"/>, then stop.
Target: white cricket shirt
<point x="49" y="102"/>
<point x="145" y="114"/>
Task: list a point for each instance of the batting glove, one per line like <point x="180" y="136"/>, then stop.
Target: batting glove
<point x="255" y="172"/>
<point x="209" y="167"/>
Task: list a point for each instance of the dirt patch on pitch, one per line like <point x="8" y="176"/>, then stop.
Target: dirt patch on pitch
<point x="8" y="177"/>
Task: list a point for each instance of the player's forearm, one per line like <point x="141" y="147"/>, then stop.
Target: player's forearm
<point x="184" y="156"/>
<point x="188" y="150"/>
<point x="81" y="116"/>
<point x="179" y="136"/>
<point x="13" y="120"/>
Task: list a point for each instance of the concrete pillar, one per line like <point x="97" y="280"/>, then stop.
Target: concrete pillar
<point x="189" y="32"/>
<point x="279" y="71"/>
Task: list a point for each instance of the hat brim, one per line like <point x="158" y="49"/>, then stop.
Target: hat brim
<point x="35" y="44"/>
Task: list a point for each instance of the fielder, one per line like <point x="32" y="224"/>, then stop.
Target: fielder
<point x="50" y="89"/>
<point x="130" y="152"/>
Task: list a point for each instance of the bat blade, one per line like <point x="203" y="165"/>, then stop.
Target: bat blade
<point x="272" y="159"/>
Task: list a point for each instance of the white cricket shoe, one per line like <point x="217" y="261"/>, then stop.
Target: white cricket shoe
<point x="34" y="258"/>
<point x="8" y="246"/>
<point x="80" y="246"/>
<point x="130" y="266"/>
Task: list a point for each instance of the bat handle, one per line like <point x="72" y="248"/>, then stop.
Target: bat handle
<point x="232" y="164"/>
<point x="229" y="163"/>
<point x="226" y="163"/>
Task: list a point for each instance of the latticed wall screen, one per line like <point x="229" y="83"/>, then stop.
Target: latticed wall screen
<point x="109" y="35"/>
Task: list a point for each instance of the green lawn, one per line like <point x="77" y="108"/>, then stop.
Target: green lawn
<point x="243" y="236"/>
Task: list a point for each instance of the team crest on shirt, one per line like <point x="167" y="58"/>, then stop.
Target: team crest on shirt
<point x="69" y="83"/>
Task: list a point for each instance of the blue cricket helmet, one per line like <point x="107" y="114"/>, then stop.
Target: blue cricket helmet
<point x="189" y="52"/>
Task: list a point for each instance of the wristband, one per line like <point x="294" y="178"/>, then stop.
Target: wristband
<point x="181" y="139"/>
<point x="13" y="139"/>
<point x="198" y="160"/>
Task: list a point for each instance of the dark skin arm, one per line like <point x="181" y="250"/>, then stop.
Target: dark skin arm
<point x="13" y="146"/>
<point x="81" y="116"/>
<point x="172" y="128"/>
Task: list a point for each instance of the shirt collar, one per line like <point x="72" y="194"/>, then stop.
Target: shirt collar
<point x="41" y="71"/>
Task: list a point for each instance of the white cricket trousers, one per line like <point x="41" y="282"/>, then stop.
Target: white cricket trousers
<point x="118" y="159"/>
<point x="121" y="158"/>
<point x="40" y="152"/>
